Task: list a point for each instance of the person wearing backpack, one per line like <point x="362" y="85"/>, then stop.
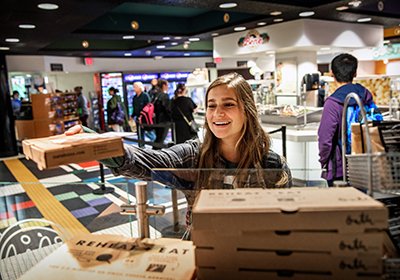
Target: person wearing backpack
<point x="116" y="115"/>
<point x="344" y="70"/>
<point x="139" y="101"/>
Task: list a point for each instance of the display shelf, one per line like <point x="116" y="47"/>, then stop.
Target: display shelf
<point x="64" y="111"/>
<point x="53" y="113"/>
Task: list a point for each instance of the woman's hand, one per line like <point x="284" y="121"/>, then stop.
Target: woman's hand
<point x="74" y="130"/>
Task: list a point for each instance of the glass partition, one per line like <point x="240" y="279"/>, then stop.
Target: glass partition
<point x="181" y="187"/>
<point x="38" y="217"/>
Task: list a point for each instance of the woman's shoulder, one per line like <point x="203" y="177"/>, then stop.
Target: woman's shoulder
<point x="272" y="160"/>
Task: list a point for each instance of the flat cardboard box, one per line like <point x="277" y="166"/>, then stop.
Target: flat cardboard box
<point x="101" y="257"/>
<point x="60" y="149"/>
<point x="318" y="242"/>
<point x="344" y="210"/>
<point x="212" y="273"/>
<point x="288" y="260"/>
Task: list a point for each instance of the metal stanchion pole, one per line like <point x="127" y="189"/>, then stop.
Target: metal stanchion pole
<point x="103" y="189"/>
<point x="141" y="199"/>
<point x="174" y="198"/>
<point x="142" y="210"/>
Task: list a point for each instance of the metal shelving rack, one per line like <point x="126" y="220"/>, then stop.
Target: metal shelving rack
<point x="383" y="175"/>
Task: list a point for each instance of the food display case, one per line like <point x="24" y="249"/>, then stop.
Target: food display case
<point x="290" y="115"/>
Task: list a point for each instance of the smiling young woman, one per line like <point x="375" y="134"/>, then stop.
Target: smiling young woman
<point x="233" y="141"/>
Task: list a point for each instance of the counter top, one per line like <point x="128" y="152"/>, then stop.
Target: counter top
<point x="296" y="134"/>
<point x="293" y="133"/>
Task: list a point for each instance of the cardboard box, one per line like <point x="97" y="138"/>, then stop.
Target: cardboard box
<point x="101" y="257"/>
<point x="57" y="150"/>
<point x="318" y="242"/>
<point x="300" y="262"/>
<point x="310" y="233"/>
<point x="213" y="273"/>
<point x="345" y="210"/>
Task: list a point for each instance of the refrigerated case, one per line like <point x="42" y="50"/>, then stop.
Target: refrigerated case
<point x="108" y="80"/>
<point x="130" y="79"/>
<point x="198" y="94"/>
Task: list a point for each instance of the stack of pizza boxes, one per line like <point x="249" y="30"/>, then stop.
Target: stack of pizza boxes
<point x="301" y="233"/>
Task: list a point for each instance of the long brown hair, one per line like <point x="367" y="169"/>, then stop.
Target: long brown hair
<point x="253" y="143"/>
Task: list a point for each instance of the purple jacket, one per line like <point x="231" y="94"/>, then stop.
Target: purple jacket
<point x="331" y="127"/>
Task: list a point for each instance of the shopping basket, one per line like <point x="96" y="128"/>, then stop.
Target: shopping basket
<point x="384" y="170"/>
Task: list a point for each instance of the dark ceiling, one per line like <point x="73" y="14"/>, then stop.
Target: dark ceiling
<point x="103" y="23"/>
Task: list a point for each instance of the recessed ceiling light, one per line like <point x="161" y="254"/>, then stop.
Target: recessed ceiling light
<point x="214" y="34"/>
<point x="85" y="44"/>
<point x="12" y="40"/>
<point x="127" y="54"/>
<point x="364" y="19"/>
<point x="307" y="14"/>
<point x="26" y="26"/>
<point x="278" y="19"/>
<point x="342" y="8"/>
<point x="325" y="49"/>
<point x="128" y="37"/>
<point x="239" y="28"/>
<point x="160" y="47"/>
<point x="261" y="23"/>
<point x="275" y="13"/>
<point x="186" y="54"/>
<point x="177" y="38"/>
<point x="166" y="38"/>
<point x="228" y="5"/>
<point x="135" y="25"/>
<point x="48" y="6"/>
<point x="194" y="39"/>
<point x="174" y="43"/>
<point x="4" y="48"/>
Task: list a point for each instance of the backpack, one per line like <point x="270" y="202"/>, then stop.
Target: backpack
<point x="354" y="116"/>
<point x="118" y="115"/>
<point x="147" y="114"/>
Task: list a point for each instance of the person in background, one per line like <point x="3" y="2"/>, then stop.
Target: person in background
<point x="83" y="109"/>
<point x="113" y="104"/>
<point x="140" y="99"/>
<point x="234" y="140"/>
<point x="344" y="70"/>
<point x="182" y="106"/>
<point x="321" y="93"/>
<point x="154" y="89"/>
<point x="16" y="104"/>
<point x="162" y="109"/>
